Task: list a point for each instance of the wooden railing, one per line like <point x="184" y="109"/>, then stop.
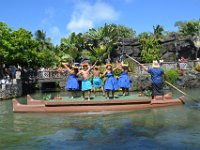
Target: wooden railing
<point x="51" y="74"/>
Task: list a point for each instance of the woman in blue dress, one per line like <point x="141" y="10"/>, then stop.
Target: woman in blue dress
<point x="111" y="83"/>
<point x="72" y="82"/>
<point x="124" y="81"/>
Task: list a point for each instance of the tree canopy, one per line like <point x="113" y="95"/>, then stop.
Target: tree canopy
<point x="22" y="47"/>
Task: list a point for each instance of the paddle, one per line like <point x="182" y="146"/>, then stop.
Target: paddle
<point x="181" y="91"/>
<point x="175" y="88"/>
<point x="165" y="81"/>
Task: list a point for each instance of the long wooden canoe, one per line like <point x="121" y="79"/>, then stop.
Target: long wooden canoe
<point x="40" y="106"/>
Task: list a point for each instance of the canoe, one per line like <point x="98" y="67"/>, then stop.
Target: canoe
<point x="57" y="106"/>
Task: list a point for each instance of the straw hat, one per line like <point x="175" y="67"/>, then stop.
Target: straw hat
<point x="75" y="67"/>
<point x="84" y="64"/>
<point x="108" y="65"/>
<point x="155" y="64"/>
<point x="65" y="63"/>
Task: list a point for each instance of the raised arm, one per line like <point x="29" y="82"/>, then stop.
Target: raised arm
<point x="117" y="67"/>
<point x="104" y="73"/>
<point x="66" y="67"/>
<point x="93" y="66"/>
<point x="80" y="72"/>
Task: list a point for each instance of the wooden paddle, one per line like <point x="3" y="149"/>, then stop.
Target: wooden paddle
<point x="181" y="91"/>
<point x="176" y="88"/>
<point x="165" y="81"/>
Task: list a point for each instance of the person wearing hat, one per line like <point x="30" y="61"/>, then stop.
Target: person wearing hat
<point x="156" y="79"/>
<point x="124" y="81"/>
<point x="111" y="83"/>
<point x="72" y="82"/>
<point x="86" y="83"/>
<point x="97" y="82"/>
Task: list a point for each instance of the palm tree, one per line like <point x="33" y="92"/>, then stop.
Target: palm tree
<point x="71" y="46"/>
<point x="158" y="32"/>
<point x="40" y="36"/>
<point x="96" y="53"/>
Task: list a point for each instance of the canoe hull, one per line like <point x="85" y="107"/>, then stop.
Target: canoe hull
<point x="93" y="106"/>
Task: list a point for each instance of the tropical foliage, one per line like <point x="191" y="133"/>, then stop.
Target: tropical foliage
<point x="172" y="75"/>
<point x="188" y="27"/>
<point x="22" y="47"/>
<point x="150" y="49"/>
<point x="150" y="44"/>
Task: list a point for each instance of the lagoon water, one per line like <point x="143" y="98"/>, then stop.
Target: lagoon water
<point x="176" y="127"/>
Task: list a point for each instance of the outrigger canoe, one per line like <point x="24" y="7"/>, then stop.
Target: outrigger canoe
<point x="59" y="106"/>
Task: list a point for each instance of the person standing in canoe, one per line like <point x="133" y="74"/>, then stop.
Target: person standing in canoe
<point x="72" y="82"/>
<point x="124" y="81"/>
<point x="86" y="83"/>
<point x="111" y="83"/>
<point x="157" y="74"/>
<point x="97" y="82"/>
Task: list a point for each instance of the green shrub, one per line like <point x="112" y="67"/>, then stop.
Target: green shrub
<point x="117" y="73"/>
<point x="172" y="75"/>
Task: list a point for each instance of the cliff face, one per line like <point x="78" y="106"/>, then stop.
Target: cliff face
<point x="171" y="48"/>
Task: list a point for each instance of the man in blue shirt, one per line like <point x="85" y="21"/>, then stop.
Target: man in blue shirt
<point x="156" y="79"/>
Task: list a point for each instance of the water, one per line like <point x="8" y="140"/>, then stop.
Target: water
<point x="176" y="127"/>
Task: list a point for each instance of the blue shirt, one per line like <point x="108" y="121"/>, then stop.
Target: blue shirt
<point x="156" y="75"/>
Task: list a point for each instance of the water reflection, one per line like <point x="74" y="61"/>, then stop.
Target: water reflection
<point x="161" y="128"/>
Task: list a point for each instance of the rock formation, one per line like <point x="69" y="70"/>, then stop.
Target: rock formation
<point x="172" y="48"/>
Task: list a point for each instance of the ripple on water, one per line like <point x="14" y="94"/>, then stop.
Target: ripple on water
<point x="161" y="128"/>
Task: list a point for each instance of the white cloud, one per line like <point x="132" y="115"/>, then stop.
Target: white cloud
<point x="86" y="15"/>
<point x="80" y="24"/>
<point x="48" y="22"/>
<point x="55" y="34"/>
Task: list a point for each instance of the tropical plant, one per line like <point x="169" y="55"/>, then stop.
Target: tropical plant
<point x="144" y="35"/>
<point x="106" y="37"/>
<point x="172" y="75"/>
<point x="97" y="53"/>
<point x="109" y="37"/>
<point x="125" y="32"/>
<point x="72" y="46"/>
<point x="188" y="27"/>
<point x="150" y="49"/>
<point x="158" y="32"/>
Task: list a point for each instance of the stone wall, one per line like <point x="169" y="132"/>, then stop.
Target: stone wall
<point x="169" y="46"/>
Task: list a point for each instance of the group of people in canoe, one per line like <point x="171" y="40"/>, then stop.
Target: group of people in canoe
<point x="111" y="83"/>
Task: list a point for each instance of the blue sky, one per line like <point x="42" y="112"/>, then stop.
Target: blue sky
<point x="60" y="17"/>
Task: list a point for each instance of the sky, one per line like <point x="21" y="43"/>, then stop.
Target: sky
<point x="58" y="18"/>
